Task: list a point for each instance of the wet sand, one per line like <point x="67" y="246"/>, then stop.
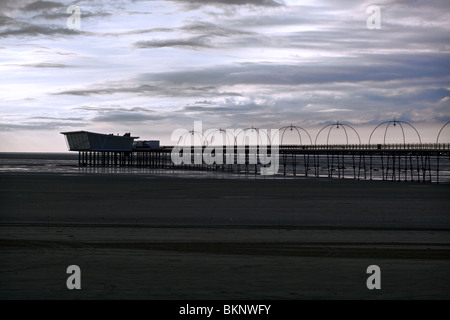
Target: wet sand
<point x="149" y="237"/>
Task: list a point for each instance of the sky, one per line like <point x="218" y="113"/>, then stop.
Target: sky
<point x="151" y="67"/>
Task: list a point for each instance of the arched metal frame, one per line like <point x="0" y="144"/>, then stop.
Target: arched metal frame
<point x="300" y="129"/>
<point x="440" y="131"/>
<point x="259" y="135"/>
<point x="337" y="125"/>
<point x="394" y="123"/>
<point x="227" y="134"/>
<point x="192" y="132"/>
<point x="292" y="127"/>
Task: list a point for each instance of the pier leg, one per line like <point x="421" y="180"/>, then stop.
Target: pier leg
<point x="393" y="178"/>
<point x="411" y="167"/>
<point x="365" y="171"/>
<point x="437" y="169"/>
<point x="294" y="164"/>
<point x="418" y="168"/>
<point x="330" y="169"/>
<point x="306" y="163"/>
<point x="354" y="168"/>
<point x="400" y="168"/>
<point x="387" y="166"/>
<point x="359" y="165"/>
<point x="424" y="169"/>
<point x="422" y="165"/>
<point x="315" y="167"/>
<point x="339" y="165"/>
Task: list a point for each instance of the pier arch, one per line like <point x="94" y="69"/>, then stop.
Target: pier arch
<point x="394" y="123"/>
<point x="227" y="136"/>
<point x="440" y="132"/>
<point x="258" y="134"/>
<point x="193" y="135"/>
<point x="337" y="126"/>
<point x="299" y="131"/>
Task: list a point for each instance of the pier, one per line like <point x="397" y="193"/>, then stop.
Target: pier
<point x="408" y="162"/>
<point x="421" y="163"/>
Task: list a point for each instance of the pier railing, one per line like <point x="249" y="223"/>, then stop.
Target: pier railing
<point x="393" y="146"/>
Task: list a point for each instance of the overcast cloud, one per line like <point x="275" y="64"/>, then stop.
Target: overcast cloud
<point x="151" y="67"/>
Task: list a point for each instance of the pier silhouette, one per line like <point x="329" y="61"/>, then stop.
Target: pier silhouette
<point x="409" y="160"/>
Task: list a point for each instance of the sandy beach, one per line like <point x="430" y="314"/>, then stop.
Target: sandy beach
<point x="151" y="237"/>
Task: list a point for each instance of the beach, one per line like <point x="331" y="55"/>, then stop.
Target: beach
<point x="158" y="237"/>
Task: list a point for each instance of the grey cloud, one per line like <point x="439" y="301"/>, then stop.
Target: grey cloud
<point x="6" y="21"/>
<point x="379" y="68"/>
<point x="107" y="90"/>
<point x="44" y="125"/>
<point x="114" y="109"/>
<point x="34" y="30"/>
<point x="8" y="6"/>
<point x="370" y="87"/>
<point x="346" y="36"/>
<point x="262" y="3"/>
<point x="329" y="110"/>
<point x="286" y="19"/>
<point x="193" y="42"/>
<point x="18" y="27"/>
<point x="208" y="32"/>
<point x="56" y="118"/>
<point x="207" y="28"/>
<point x="110" y="90"/>
<point x="123" y="116"/>
<point x="237" y="115"/>
<point x="426" y="10"/>
<point x="435" y="94"/>
<point x="282" y="111"/>
<point x="42" y="5"/>
<point x="64" y="15"/>
<point x="138" y="31"/>
<point x="432" y="95"/>
<point x="204" y="102"/>
<point x="180" y="91"/>
<point x="204" y="109"/>
<point x="45" y="65"/>
<point x="30" y="30"/>
<point x="342" y="34"/>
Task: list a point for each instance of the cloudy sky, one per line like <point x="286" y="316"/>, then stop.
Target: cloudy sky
<point x="150" y="67"/>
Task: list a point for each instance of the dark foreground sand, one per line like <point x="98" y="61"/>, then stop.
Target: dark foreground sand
<point x="147" y="237"/>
